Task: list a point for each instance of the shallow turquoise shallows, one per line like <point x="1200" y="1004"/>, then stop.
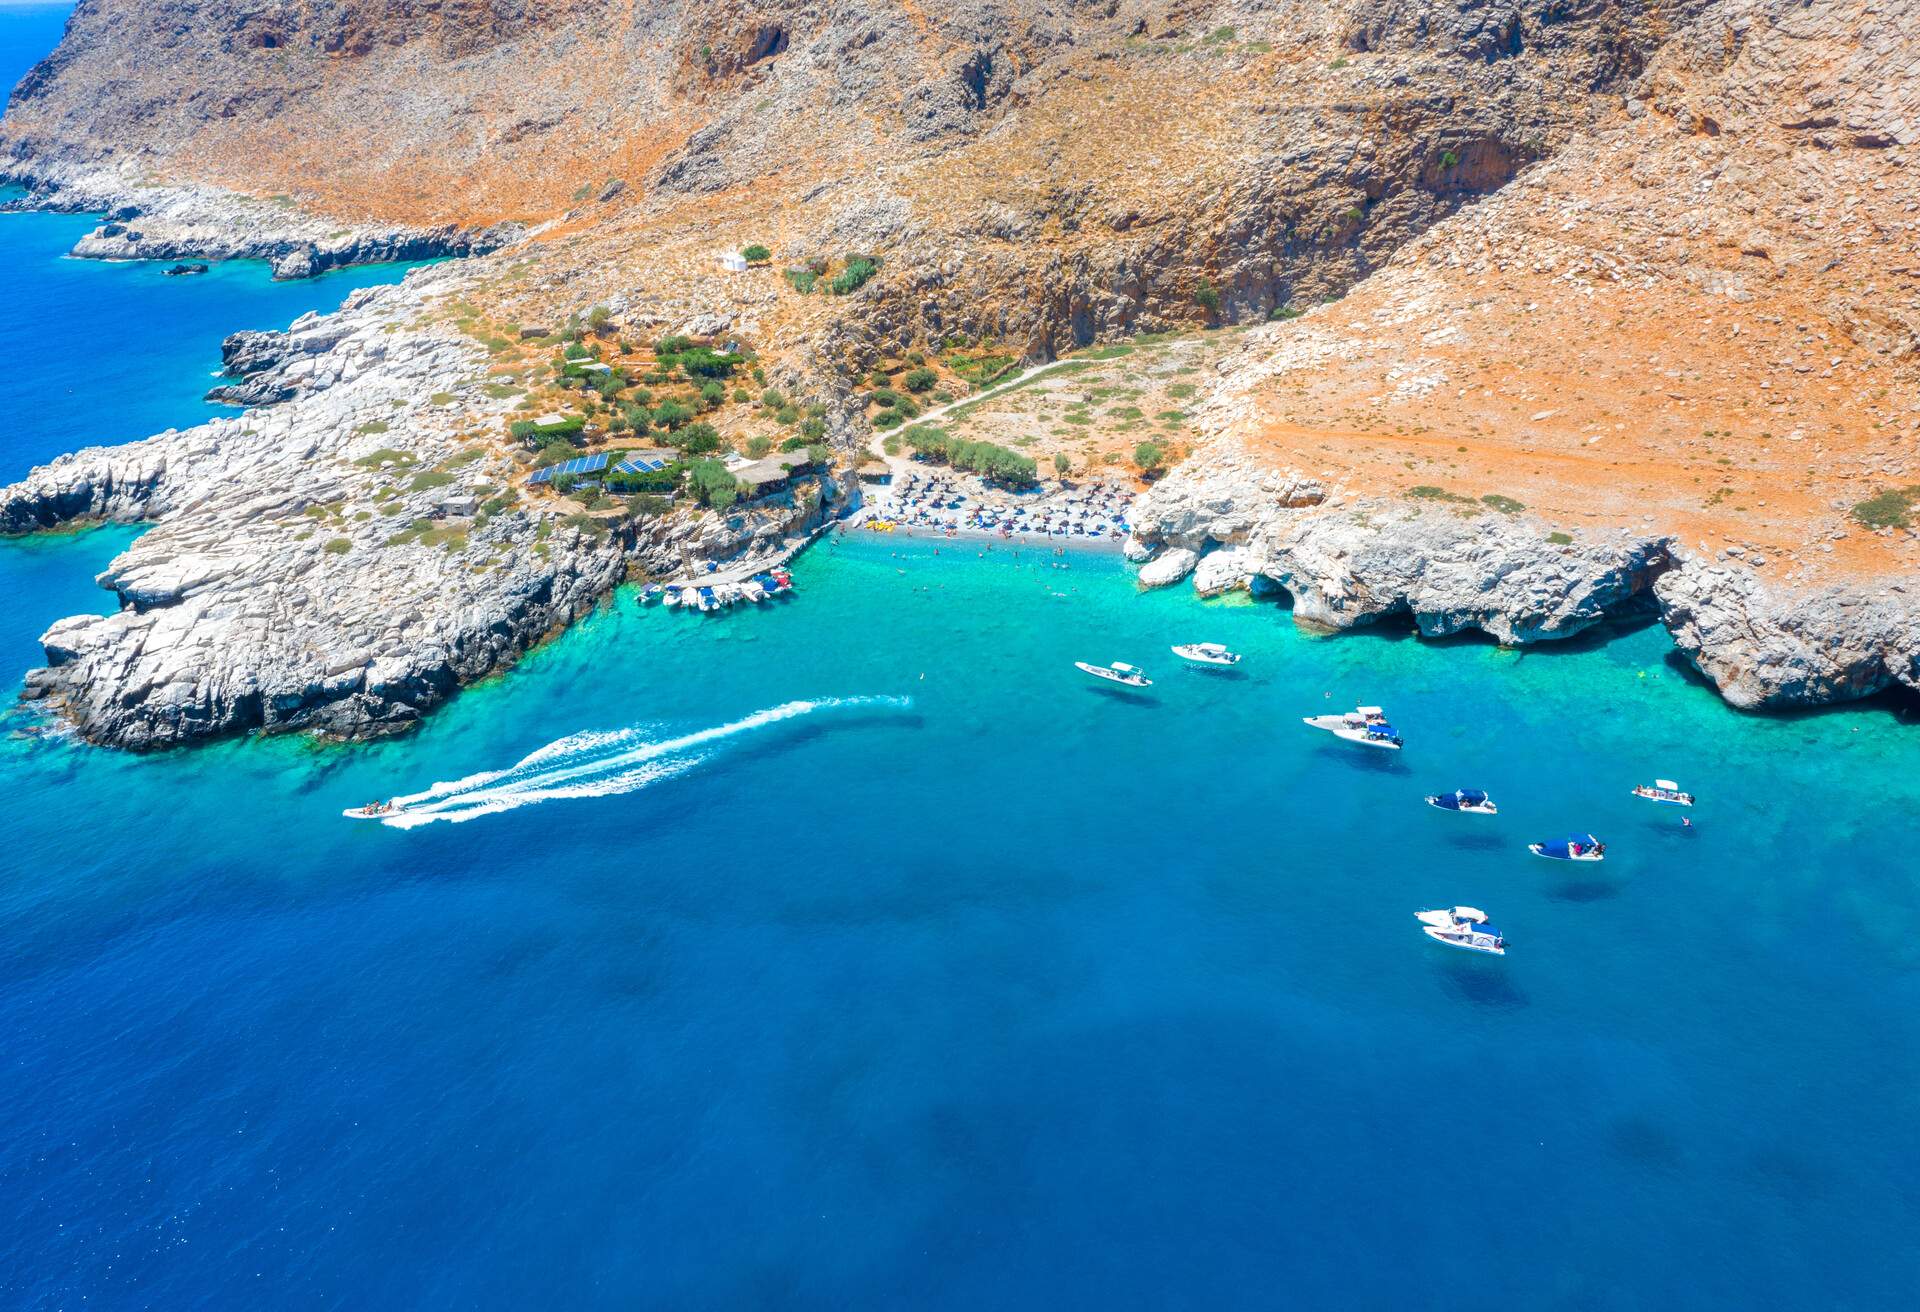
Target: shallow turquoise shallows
<point x="857" y="952"/>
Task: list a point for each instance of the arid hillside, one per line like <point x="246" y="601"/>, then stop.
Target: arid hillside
<point x="1701" y="317"/>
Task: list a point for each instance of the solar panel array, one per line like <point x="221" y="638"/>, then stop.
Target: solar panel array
<point x="640" y="465"/>
<point x="592" y="464"/>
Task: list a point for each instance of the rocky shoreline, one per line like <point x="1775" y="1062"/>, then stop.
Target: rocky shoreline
<point x="142" y="221"/>
<point x="1230" y="523"/>
<point x="342" y="561"/>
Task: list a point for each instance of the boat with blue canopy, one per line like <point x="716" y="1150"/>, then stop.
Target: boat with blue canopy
<point x="1467" y="801"/>
<point x="1574" y="847"/>
<point x="1366" y="725"/>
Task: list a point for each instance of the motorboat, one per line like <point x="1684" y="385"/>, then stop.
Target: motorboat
<point x="708" y="601"/>
<point x="1132" y="676"/>
<point x="1207" y="653"/>
<point x="651" y="594"/>
<point x="1467" y="801"/>
<point x="1462" y="927"/>
<point x="1663" y="790"/>
<point x="372" y="811"/>
<point x="1575" y="847"/>
<point x="1366" y="724"/>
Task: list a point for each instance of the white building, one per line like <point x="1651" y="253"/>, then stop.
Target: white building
<point x="733" y="262"/>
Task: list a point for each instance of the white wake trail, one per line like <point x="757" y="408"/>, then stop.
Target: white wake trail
<point x="594" y="764"/>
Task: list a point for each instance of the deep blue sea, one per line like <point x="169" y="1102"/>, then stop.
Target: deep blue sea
<point x="856" y="952"/>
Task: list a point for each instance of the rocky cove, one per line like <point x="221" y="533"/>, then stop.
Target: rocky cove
<point x="1231" y="523"/>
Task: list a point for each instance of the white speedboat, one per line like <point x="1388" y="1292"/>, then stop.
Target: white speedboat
<point x="1366" y="724"/>
<point x="1120" y="672"/>
<point x="1462" y="927"/>
<point x="1665" y="791"/>
<point x="1207" y="653"/>
<point x="371" y="811"/>
<point x="1467" y="801"/>
<point x="1574" y="847"/>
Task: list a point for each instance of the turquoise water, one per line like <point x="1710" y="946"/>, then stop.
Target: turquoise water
<point x="857" y="952"/>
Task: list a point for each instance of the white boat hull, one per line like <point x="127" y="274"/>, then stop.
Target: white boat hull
<point x="1452" y="941"/>
<point x="1113" y="676"/>
<point x="1217" y="660"/>
<point x="1535" y="848"/>
<point x="1488" y="809"/>
<point x="1340" y="729"/>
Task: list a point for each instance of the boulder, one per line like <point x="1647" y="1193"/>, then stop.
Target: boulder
<point x="1169" y="567"/>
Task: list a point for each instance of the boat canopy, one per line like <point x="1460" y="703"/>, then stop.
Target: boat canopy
<point x="1381" y="730"/>
<point x="1667" y="784"/>
<point x="1369" y="710"/>
<point x="1471" y="796"/>
<point x="1474" y="914"/>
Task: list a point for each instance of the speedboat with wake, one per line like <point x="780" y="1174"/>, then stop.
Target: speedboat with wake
<point x="1462" y="927"/>
<point x="372" y="811"/>
<point x="1467" y="801"/>
<point x="1366" y="724"/>
<point x="1207" y="653"/>
<point x="1663" y="790"/>
<point x="1574" y="847"/>
<point x="1131" y="676"/>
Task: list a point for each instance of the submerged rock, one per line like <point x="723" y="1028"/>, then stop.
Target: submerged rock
<point x="184" y="269"/>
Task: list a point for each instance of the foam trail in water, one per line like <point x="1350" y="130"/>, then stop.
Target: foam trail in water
<point x="595" y="764"/>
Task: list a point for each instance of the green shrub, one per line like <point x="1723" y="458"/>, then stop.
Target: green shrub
<point x="793" y="443"/>
<point x="705" y="362"/>
<point x="1505" y="505"/>
<point x="1890" y="509"/>
<point x="371" y="427"/>
<point x="1448" y="159"/>
<point x="672" y="345"/>
<point x="1149" y="456"/>
<point x="851" y="279"/>
<point x="1207" y="296"/>
<point x="1560" y="539"/>
<point x="772" y="399"/>
<point x="429" y="479"/>
<point x="741" y="396"/>
<point x="576" y="352"/>
<point x="553" y="453"/>
<point x="883" y="396"/>
<point x="984" y="458"/>
<point x="670" y="415"/>
<point x="1062" y="463"/>
<point x="919" y="380"/>
<point x="889" y="419"/>
<point x="712" y="484"/>
<point x="337" y="546"/>
<point x="758" y="445"/>
<point x="697" y="439"/>
<point x="712" y="395"/>
<point x="386" y="456"/>
<point x="1428" y="492"/>
<point x="802" y="280"/>
<point x="756" y="254"/>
